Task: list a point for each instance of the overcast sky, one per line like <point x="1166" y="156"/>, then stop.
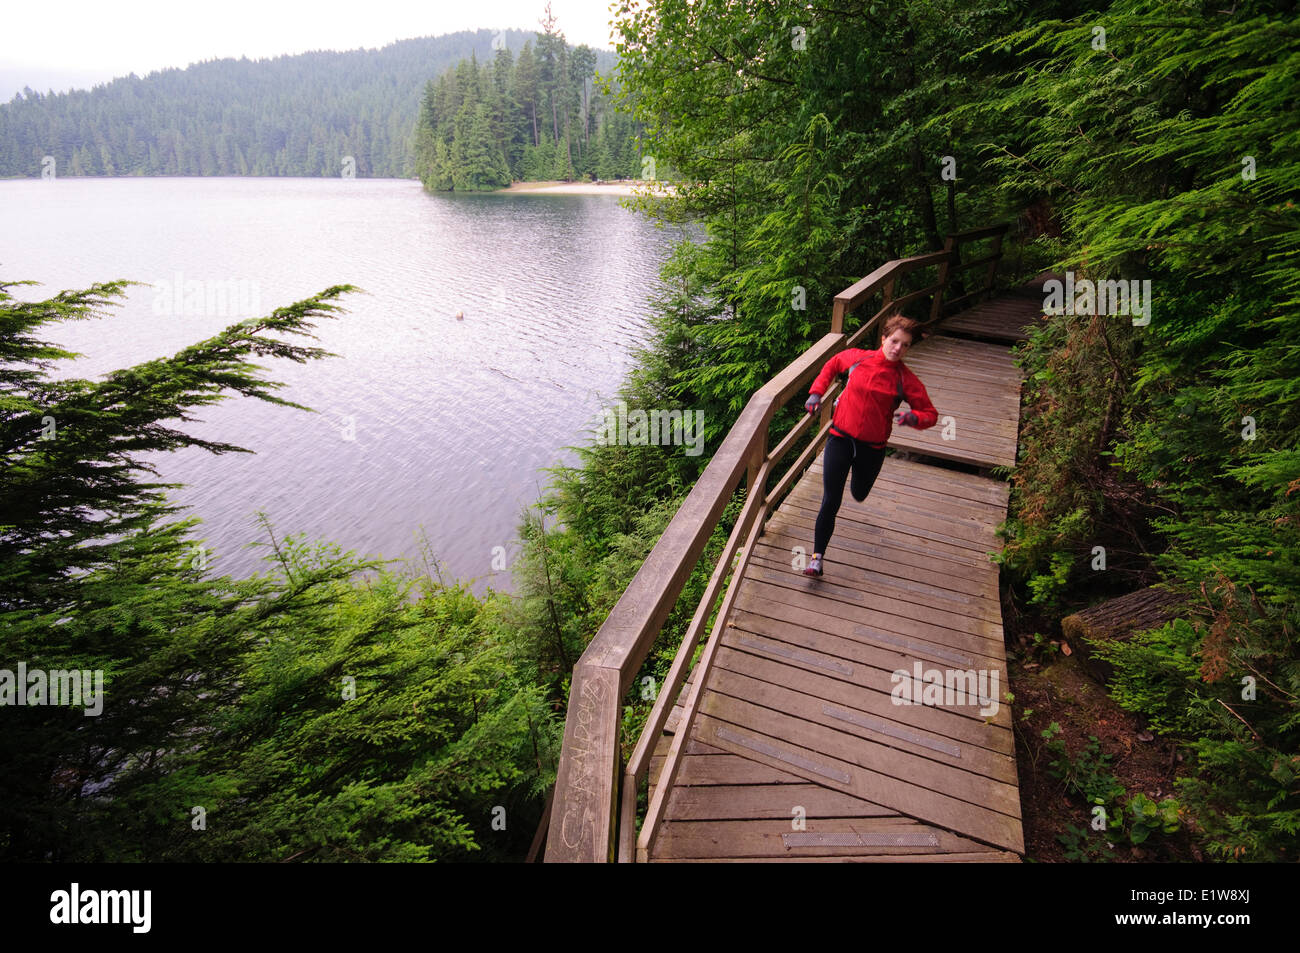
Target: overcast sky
<point x="81" y="42"/>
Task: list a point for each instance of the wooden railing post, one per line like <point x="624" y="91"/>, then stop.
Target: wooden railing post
<point x="950" y="246"/>
<point x="993" y="265"/>
<point x="757" y="454"/>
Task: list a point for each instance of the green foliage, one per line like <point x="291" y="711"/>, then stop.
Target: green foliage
<point x="1075" y="370"/>
<point x="1169" y="155"/>
<point x="1128" y="818"/>
<point x="806" y="150"/>
<point x="1083" y="846"/>
<point x="1149" y="818"/>
<point x="369" y="727"/>
<point x="1157" y="674"/>
<point x="313" y="714"/>
<point x="1088" y="775"/>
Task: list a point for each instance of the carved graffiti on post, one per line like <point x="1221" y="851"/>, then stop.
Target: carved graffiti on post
<point x="579" y="819"/>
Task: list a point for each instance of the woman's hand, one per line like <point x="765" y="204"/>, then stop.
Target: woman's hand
<point x="812" y="403"/>
<point x="906" y="418"/>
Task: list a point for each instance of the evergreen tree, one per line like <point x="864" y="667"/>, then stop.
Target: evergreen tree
<point x="295" y="716"/>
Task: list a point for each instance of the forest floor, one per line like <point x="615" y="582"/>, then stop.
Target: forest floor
<point x="1049" y="686"/>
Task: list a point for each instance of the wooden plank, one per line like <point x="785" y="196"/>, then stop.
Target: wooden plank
<point x="970" y="857"/>
<point x="968" y="485"/>
<point x="941" y="450"/>
<point x="861" y="689"/>
<point x="901" y="588"/>
<point x="976" y="408"/>
<point x="974" y="572"/>
<point x="935" y="502"/>
<point x="734" y="802"/>
<point x="981" y="355"/>
<point x="879" y="522"/>
<point x="680" y="672"/>
<point x="933" y="481"/>
<point x="1018" y="307"/>
<point x="819" y="741"/>
<point x="799" y="516"/>
<point x="874" y="645"/>
<point x="983" y="519"/>
<point x="694" y="747"/>
<point x="976" y="540"/>
<point x="868" y="597"/>
<point x="753" y="839"/>
<point x="954" y="368"/>
<point x="730" y="769"/>
<point x="974" y="820"/>
<point x="992" y="399"/>
<point x="990" y="423"/>
<point x="873" y="617"/>
<point x="872" y="717"/>
<point x="991" y="512"/>
<point x="1008" y="327"/>
<point x="945" y="362"/>
<point x="968" y="354"/>
<point x="1005" y="316"/>
<point x="933" y="645"/>
<point x="890" y="560"/>
<point x="1026" y="303"/>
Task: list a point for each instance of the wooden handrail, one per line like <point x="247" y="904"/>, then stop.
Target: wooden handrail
<point x="975" y="234"/>
<point x="952" y="246"/>
<point x="883" y="277"/>
<point x="589" y="819"/>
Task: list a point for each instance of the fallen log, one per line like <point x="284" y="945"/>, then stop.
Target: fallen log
<point x="1118" y="620"/>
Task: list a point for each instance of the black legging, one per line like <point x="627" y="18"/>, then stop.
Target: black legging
<point x="843" y="453"/>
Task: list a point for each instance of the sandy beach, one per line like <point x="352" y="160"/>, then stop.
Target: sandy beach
<point x="624" y="187"/>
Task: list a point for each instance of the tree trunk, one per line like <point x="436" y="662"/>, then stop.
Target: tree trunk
<point x="1117" y="620"/>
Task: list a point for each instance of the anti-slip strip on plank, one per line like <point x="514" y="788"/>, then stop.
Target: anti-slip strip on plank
<point x="798" y="655"/>
<point x="888" y="637"/>
<point x="762" y="747"/>
<point x="851" y="839"/>
<point x="893" y="731"/>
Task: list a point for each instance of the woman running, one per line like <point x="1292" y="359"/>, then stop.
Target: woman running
<point x="878" y="382"/>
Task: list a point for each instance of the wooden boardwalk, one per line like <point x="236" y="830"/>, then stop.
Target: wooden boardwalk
<point x="1006" y="318"/>
<point x="804" y="745"/>
<point x="858" y="716"/>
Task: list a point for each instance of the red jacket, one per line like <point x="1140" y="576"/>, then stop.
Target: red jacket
<point x="866" y="408"/>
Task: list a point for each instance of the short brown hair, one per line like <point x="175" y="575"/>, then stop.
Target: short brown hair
<point x="901" y="322"/>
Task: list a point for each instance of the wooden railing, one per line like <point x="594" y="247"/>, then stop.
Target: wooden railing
<point x="593" y="811"/>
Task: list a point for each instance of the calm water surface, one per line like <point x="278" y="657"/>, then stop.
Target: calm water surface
<point x="426" y="422"/>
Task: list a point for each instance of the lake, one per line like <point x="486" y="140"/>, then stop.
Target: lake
<point x="427" y="423"/>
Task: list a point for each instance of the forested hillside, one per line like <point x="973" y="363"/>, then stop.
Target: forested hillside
<point x="292" y="115"/>
<point x="539" y="115"/>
